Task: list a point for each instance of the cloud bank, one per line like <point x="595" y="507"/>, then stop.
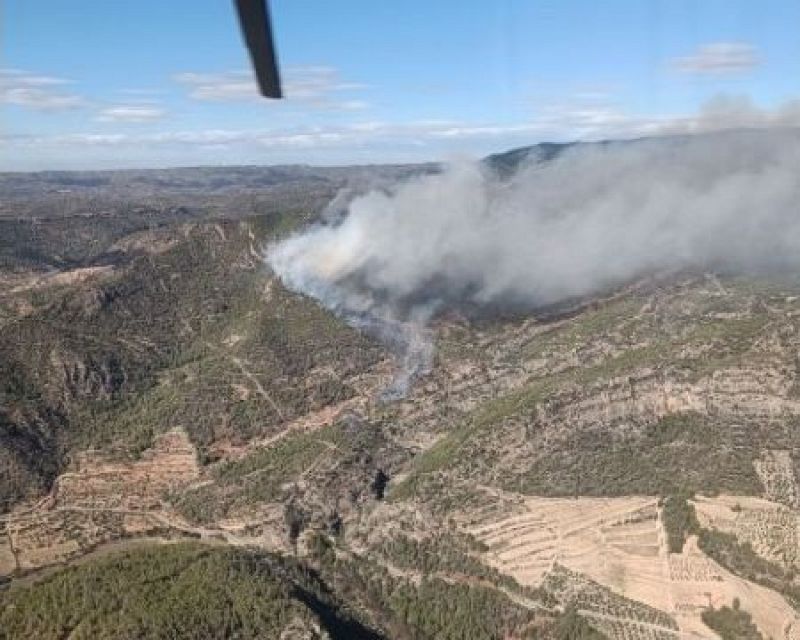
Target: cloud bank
<point x="367" y="141"/>
<point x="595" y="217"/>
<point x="36" y="91"/>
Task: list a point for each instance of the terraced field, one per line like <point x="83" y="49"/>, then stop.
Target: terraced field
<point x="620" y="543"/>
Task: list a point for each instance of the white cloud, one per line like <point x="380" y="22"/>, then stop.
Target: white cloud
<point x="131" y="113"/>
<point x="351" y="105"/>
<point x="141" y="92"/>
<point x="719" y="58"/>
<point x="231" y="86"/>
<point x="39" y="92"/>
<point x="316" y="85"/>
<point x="579" y="122"/>
<point x="377" y="141"/>
<point x="312" y="137"/>
<point x="319" y="87"/>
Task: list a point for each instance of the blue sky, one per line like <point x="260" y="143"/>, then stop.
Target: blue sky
<point x="137" y="83"/>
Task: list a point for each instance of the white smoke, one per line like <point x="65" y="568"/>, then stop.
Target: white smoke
<point x="594" y="217"/>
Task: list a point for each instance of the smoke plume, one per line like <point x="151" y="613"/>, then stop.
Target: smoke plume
<point x="594" y="217"/>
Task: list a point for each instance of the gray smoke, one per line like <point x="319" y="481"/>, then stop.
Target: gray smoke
<point x="594" y="217"/>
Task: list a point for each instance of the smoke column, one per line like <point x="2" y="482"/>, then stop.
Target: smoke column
<point x="594" y="217"/>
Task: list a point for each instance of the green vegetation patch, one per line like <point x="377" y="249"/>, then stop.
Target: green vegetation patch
<point x="444" y="611"/>
<point x="677" y="454"/>
<point x="679" y="519"/>
<point x="175" y="591"/>
<point x="572" y="626"/>
<point x="449" y="451"/>
<point x="460" y="608"/>
<point x="575" y="590"/>
<point x="448" y="553"/>
<point x="732" y="623"/>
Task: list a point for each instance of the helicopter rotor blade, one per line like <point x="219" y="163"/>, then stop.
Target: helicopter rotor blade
<point x="257" y="31"/>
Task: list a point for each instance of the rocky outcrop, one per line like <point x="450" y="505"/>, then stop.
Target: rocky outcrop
<point x="648" y="395"/>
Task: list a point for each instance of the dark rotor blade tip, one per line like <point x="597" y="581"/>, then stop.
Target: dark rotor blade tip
<point x="257" y="32"/>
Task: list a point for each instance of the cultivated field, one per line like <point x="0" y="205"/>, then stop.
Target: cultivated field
<point x="620" y="544"/>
